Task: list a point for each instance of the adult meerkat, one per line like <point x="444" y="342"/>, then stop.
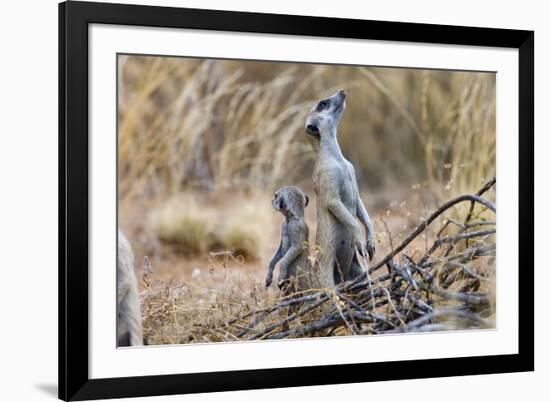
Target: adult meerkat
<point x="292" y="253"/>
<point x="338" y="202"/>
<point x="129" y="330"/>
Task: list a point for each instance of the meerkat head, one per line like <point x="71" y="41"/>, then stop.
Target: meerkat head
<point x="325" y="115"/>
<point x="290" y="200"/>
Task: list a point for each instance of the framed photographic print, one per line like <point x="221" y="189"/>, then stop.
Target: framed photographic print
<point x="258" y="200"/>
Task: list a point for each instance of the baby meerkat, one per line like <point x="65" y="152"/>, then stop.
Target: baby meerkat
<point x="292" y="252"/>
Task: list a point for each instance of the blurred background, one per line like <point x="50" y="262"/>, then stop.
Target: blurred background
<point x="203" y="144"/>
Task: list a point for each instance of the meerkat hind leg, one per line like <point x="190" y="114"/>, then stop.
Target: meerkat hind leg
<point x="355" y="269"/>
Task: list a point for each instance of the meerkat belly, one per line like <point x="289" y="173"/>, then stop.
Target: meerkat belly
<point x="343" y="236"/>
<point x="344" y="247"/>
<point x="336" y="246"/>
<point x="348" y="194"/>
<point x="302" y="272"/>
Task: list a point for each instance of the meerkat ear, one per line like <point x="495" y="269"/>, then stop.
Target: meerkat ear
<point x="306" y="202"/>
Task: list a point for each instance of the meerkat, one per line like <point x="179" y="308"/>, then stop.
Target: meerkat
<point x="338" y="202"/>
<point x="292" y="253"/>
<point x="129" y="330"/>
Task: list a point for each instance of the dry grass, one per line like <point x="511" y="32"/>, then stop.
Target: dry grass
<point x="197" y="125"/>
<point x="194" y="310"/>
<point x="195" y="227"/>
<point x="246" y="230"/>
<point x="218" y="125"/>
<point x="182" y="223"/>
<point x="454" y="124"/>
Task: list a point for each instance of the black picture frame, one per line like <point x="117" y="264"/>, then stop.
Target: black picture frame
<point x="74" y="18"/>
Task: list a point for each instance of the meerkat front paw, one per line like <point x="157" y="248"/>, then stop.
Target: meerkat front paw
<point x="371" y="247"/>
<point x="284" y="280"/>
<point x="268" y="281"/>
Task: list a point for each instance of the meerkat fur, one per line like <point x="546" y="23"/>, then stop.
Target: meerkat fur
<point x="129" y="328"/>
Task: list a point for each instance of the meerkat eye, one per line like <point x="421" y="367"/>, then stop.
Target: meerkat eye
<point x="322" y="105"/>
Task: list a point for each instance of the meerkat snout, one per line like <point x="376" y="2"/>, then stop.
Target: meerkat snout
<point x="312" y="129"/>
<point x="278" y="202"/>
<point x="340" y="101"/>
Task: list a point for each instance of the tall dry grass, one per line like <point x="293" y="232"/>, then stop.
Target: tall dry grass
<point x="200" y="124"/>
<point x="197" y="225"/>
<point x="221" y="124"/>
<point x="450" y="118"/>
